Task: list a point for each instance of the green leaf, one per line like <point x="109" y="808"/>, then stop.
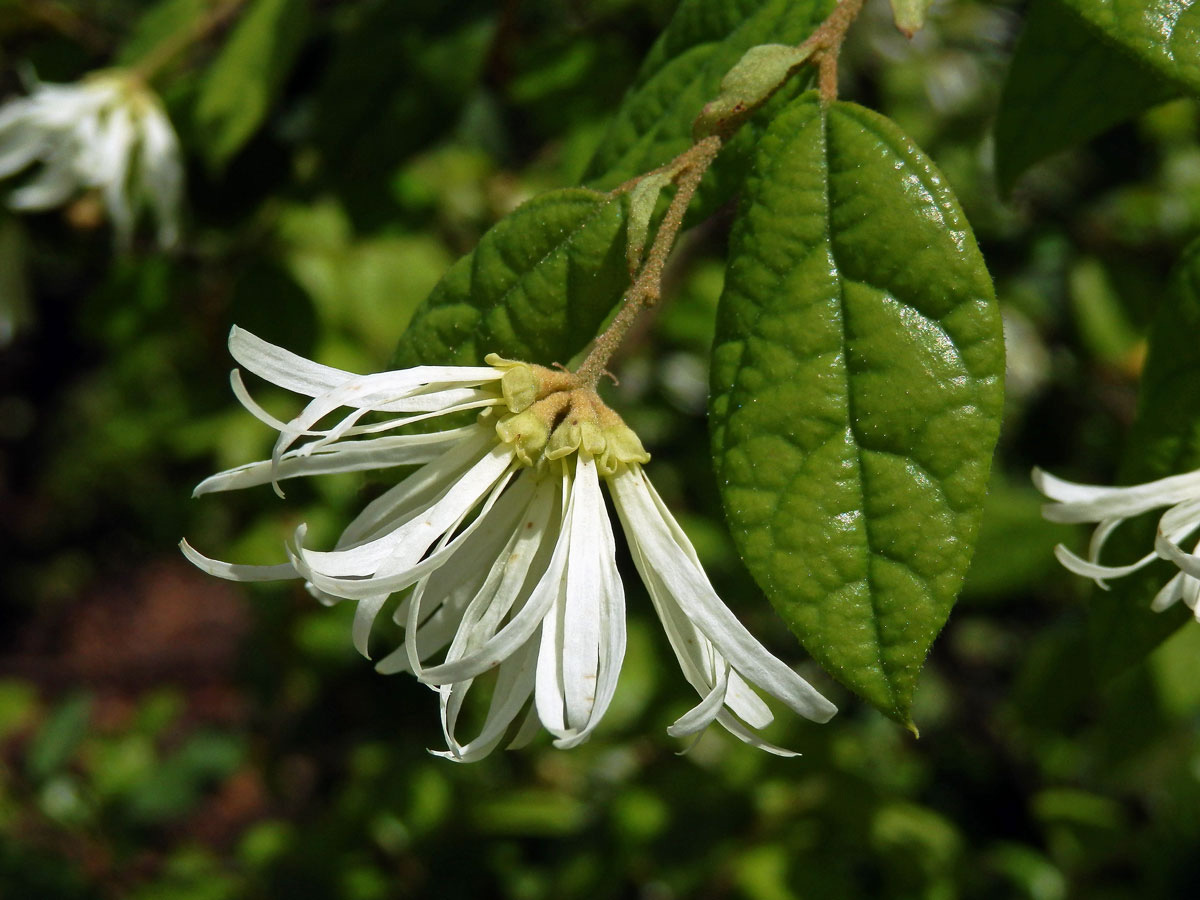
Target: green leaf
<point x="243" y="82"/>
<point x="682" y="72"/>
<point x="175" y="784"/>
<point x="856" y="392"/>
<point x="1165" y="440"/>
<point x="537" y="287"/>
<point x="1066" y="85"/>
<point x="1164" y="34"/>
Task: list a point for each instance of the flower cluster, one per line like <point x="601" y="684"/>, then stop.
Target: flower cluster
<point x="503" y="543"/>
<point x="1110" y="506"/>
<point x="107" y="133"/>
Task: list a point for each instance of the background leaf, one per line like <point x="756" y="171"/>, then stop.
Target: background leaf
<point x="682" y="72"/>
<point x="1165" y="440"/>
<point x="1162" y="33"/>
<point x="402" y="79"/>
<point x="536" y="288"/>
<point x="856" y="392"/>
<point x="246" y="77"/>
<point x="59" y="737"/>
<point x="1064" y="86"/>
<point x="163" y="20"/>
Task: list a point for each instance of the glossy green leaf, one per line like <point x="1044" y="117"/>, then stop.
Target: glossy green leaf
<point x="856" y="392"/>
<point x="1066" y="84"/>
<point x="683" y="72"/>
<point x="242" y="83"/>
<point x="1165" y="440"/>
<point x="1165" y="34"/>
<point x="537" y="287"/>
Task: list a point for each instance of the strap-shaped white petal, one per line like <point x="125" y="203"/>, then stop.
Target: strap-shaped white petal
<point x="1092" y="503"/>
<point x="520" y="626"/>
<point x="1094" y="570"/>
<point x="403" y="547"/>
<point x="514" y="685"/>
<point x="420" y="489"/>
<point x="346" y="456"/>
<point x="288" y="370"/>
<point x="236" y="571"/>
<point x="590" y="647"/>
<point x="283" y="367"/>
<point x="667" y="551"/>
<point x="453" y="587"/>
<point x="705" y="712"/>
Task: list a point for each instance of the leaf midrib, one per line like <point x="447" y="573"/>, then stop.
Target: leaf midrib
<point x="861" y="481"/>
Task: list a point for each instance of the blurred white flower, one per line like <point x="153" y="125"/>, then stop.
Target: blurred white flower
<point x="108" y="133"/>
<point x="1110" y="506"/>
<point x="503" y="537"/>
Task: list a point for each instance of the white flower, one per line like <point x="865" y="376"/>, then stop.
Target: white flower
<point x="1110" y="506"/>
<point x="503" y="538"/>
<point x="107" y="132"/>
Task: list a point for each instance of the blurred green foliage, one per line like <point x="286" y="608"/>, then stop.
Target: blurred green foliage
<point x="163" y="735"/>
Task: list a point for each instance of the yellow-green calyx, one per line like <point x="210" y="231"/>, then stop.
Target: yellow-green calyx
<point x="551" y="416"/>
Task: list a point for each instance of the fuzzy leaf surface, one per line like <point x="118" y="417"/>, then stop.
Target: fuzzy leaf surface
<point x="537" y="287"/>
<point x="857" y="387"/>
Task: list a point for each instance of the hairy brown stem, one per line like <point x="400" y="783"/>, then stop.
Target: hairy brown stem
<point x="689" y="168"/>
<point x="826" y="45"/>
<point x="647" y="287"/>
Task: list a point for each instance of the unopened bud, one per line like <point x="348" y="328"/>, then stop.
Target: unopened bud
<point x="747" y="86"/>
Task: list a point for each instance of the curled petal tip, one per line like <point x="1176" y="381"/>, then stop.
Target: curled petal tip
<point x="823" y="714"/>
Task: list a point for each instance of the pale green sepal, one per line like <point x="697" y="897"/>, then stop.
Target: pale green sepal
<point x="519" y="384"/>
<point x="624" y="446"/>
<point x="527" y="432"/>
<point x="575" y="434"/>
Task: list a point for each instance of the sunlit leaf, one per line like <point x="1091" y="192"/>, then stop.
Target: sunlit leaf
<point x="856" y="392"/>
<point x="536" y="288"/>
<point x="1165" y="34"/>
<point x="682" y="72"/>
